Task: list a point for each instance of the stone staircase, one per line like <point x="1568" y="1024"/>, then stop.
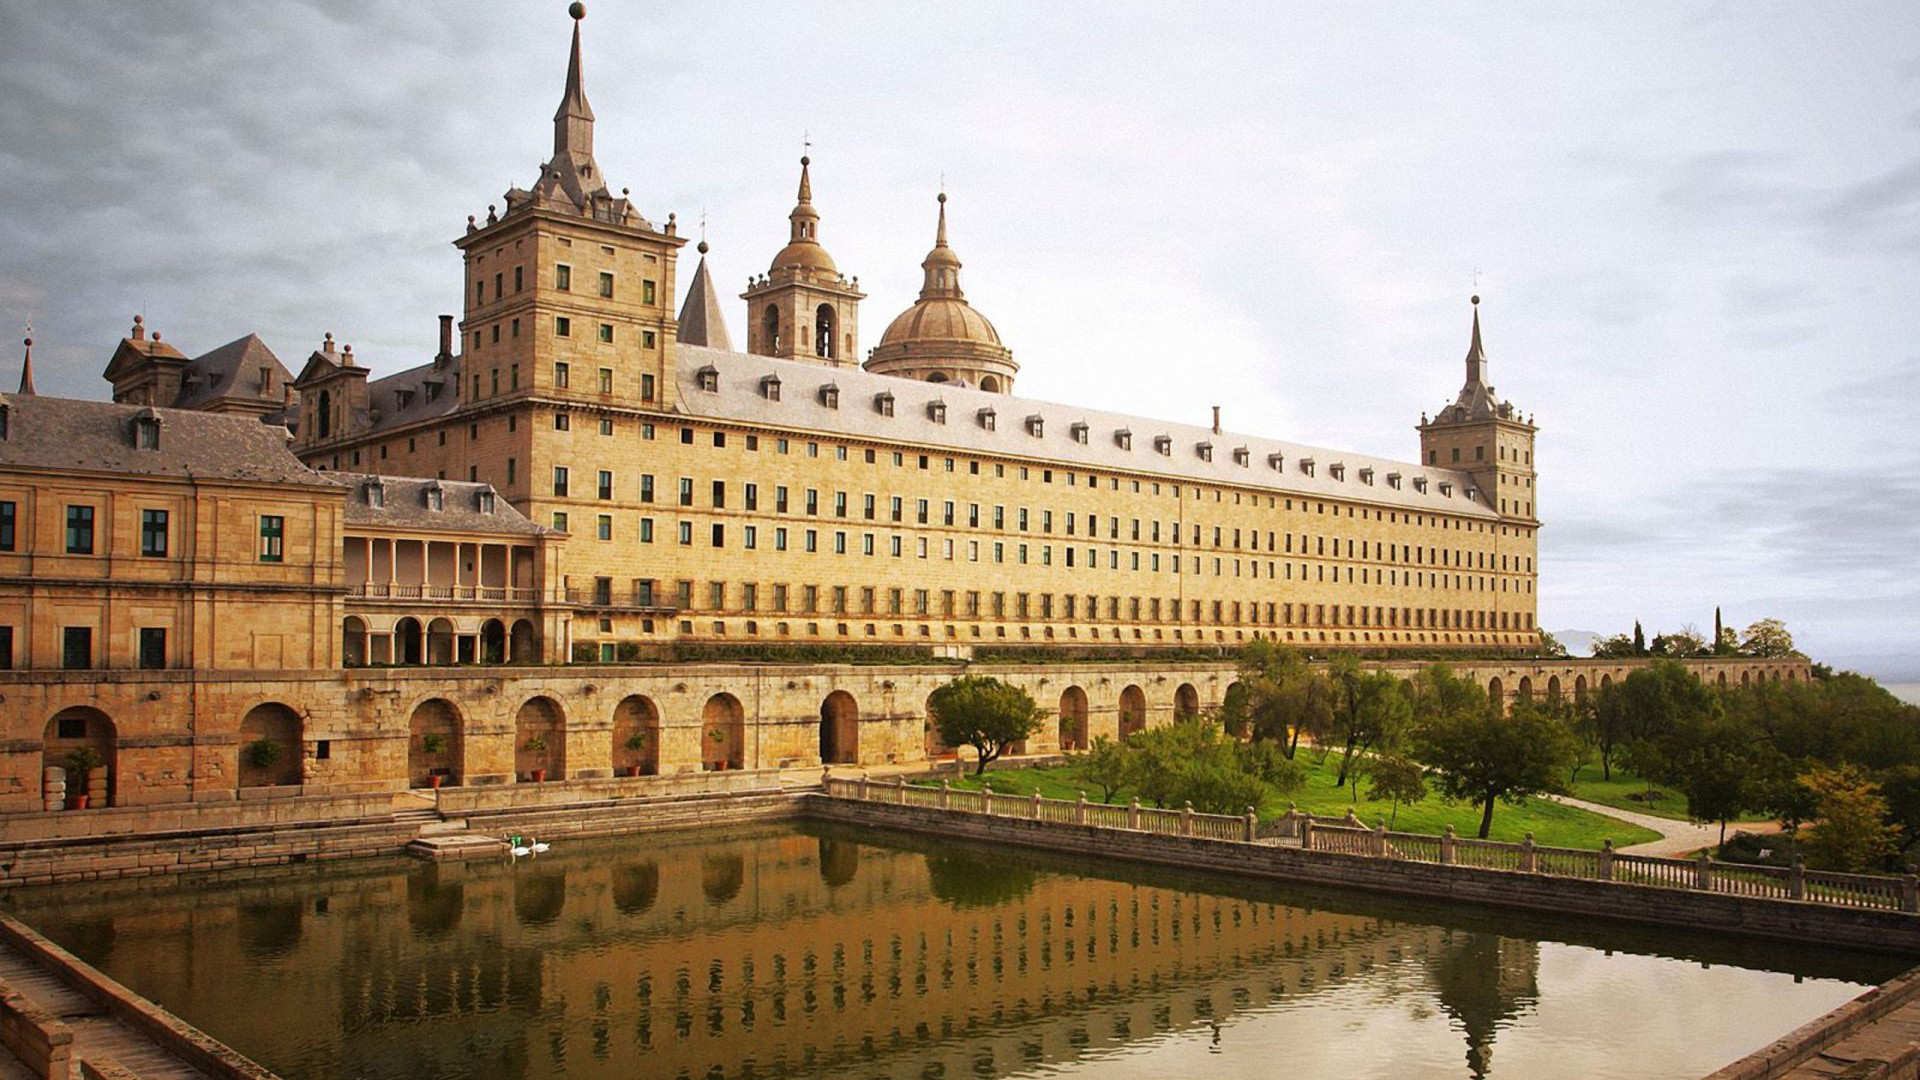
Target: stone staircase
<point x="437" y="839"/>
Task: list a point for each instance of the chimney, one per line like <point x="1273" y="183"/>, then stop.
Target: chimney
<point x="1216" y="419"/>
<point x="446" y="340"/>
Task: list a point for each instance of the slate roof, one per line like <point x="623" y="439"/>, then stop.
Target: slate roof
<point x="232" y="372"/>
<point x="69" y="435"/>
<point x="740" y="398"/>
<point x="701" y="322"/>
<point x="406" y="507"/>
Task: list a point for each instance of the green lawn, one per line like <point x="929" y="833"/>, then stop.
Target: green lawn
<point x="1550" y="823"/>
<point x="1618" y="792"/>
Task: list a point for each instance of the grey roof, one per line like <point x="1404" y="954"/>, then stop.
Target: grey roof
<point x="701" y="322"/>
<point x="406" y="397"/>
<point x="232" y="372"/>
<point x="65" y="435"/>
<point x="1237" y="459"/>
<point x="406" y="506"/>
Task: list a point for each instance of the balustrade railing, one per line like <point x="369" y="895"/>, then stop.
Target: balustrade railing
<point x="382" y="590"/>
<point x="1349" y="837"/>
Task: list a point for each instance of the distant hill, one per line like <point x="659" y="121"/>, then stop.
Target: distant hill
<point x="1577" y="642"/>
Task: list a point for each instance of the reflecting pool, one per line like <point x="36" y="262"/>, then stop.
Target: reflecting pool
<point x="822" y="951"/>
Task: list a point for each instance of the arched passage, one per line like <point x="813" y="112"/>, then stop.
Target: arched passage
<point x="636" y="737"/>
<point x="1186" y="702"/>
<point x="407" y="641"/>
<point x="1721" y="680"/>
<point x="524" y="647"/>
<point x="1133" y="711"/>
<point x="839" y="729"/>
<point x="723" y="733"/>
<point x="436" y="751"/>
<point x="539" y="741"/>
<point x="493" y="642"/>
<point x="1497" y="696"/>
<point x="1525" y="691"/>
<point x="1073" y="719"/>
<point x="1580" y="689"/>
<point x="1553" y="689"/>
<point x="353" y="641"/>
<point x="823" y="331"/>
<point x="440" y="643"/>
<point x="270" y="746"/>
<point x="81" y="735"/>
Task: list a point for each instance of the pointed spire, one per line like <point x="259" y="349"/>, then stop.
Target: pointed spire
<point x="573" y="120"/>
<point x="26" y="371"/>
<point x="942" y="265"/>
<point x="700" y="320"/>
<point x="805" y="220"/>
<point x="1476" y="355"/>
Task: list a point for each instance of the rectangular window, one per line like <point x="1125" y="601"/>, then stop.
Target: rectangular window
<point x="780" y="499"/>
<point x="79" y="530"/>
<point x="719" y="494"/>
<point x="560" y="481"/>
<point x="646" y="488"/>
<point x="646" y="385"/>
<point x="562" y="326"/>
<point x="646" y="292"/>
<point x="273" y="531"/>
<point x="562" y="374"/>
<point x="686" y="491"/>
<point x="563" y="277"/>
<point x="606" y="484"/>
<point x="153" y="647"/>
<point x="562" y="421"/>
<point x="76" y="647"/>
<point x="560" y="521"/>
<point x="603" y="527"/>
<point x="6" y="648"/>
<point x="153" y="534"/>
<point x="646" y="530"/>
<point x="606" y="373"/>
<point x="606" y="284"/>
<point x="606" y="338"/>
<point x="750" y="537"/>
<point x="752" y="496"/>
<point x="686" y="534"/>
<point x="719" y="535"/>
<point x="8" y="519"/>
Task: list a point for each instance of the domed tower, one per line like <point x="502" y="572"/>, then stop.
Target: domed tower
<point x="941" y="338"/>
<point x="802" y="308"/>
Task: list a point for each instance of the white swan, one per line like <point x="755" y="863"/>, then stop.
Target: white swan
<point x="537" y="846"/>
<point x="517" y="848"/>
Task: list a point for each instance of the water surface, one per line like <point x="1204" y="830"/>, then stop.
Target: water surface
<point x="817" y="951"/>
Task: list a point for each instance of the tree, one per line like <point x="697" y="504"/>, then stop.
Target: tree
<point x="1639" y="639"/>
<point x="1550" y="645"/>
<point x="1680" y="644"/>
<point x="1617" y="647"/>
<point x="1106" y="765"/>
<point x="1768" y="638"/>
<point x="1483" y="758"/>
<point x="1397" y="778"/>
<point x="1284" y="697"/>
<point x="1719" y="764"/>
<point x="1188" y="761"/>
<point x="982" y="712"/>
<point x="1852" y="835"/>
<point x="1371" y="710"/>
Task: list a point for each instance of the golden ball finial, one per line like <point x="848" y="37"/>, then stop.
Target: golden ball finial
<point x="578" y="10"/>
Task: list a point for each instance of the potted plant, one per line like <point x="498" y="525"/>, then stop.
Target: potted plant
<point x="718" y="736"/>
<point x="434" y="744"/>
<point x="80" y="762"/>
<point x="261" y="753"/>
<point x="635" y="744"/>
<point x="536" y="744"/>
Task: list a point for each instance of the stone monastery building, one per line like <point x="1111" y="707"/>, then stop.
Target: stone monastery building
<point x="580" y="476"/>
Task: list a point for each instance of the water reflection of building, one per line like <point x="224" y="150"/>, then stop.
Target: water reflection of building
<point x="782" y="954"/>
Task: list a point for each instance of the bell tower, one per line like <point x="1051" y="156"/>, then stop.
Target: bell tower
<point x="803" y="308"/>
<point x="1486" y="438"/>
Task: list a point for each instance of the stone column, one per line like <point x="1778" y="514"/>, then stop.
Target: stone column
<point x="946" y="793"/>
<point x="1133" y="813"/>
<point x="1252" y="819"/>
<point x="1606" y="859"/>
<point x="1447" y="839"/>
<point x="1186" y="819"/>
<point x="1703" y="873"/>
<point x="1529" y="859"/>
<point x="1797" y="879"/>
<point x="1080" y="810"/>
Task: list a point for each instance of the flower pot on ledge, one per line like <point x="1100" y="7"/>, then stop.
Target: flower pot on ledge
<point x="77" y="802"/>
<point x="538" y="775"/>
<point x="435" y="780"/>
<point x="633" y="770"/>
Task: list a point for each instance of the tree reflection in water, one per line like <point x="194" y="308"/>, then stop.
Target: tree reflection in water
<point x="1483" y="981"/>
<point x="964" y="882"/>
<point x="839" y="861"/>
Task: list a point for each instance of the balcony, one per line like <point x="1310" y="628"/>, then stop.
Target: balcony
<point x="477" y="594"/>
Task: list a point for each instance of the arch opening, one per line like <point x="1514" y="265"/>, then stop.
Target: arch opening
<point x="723" y="733"/>
<point x="271" y="747"/>
<point x="493" y="642"/>
<point x="524" y="643"/>
<point x="440" y="643"/>
<point x="353" y="641"/>
<point x="824" y="324"/>
<point x="839" y="729"/>
<point x="1073" y="719"/>
<point x="1186" y="702"/>
<point x="539" y="741"/>
<point x="436" y="751"/>
<point x="407" y="641"/>
<point x="636" y="737"/>
<point x="74" y="736"/>
<point x="1133" y="711"/>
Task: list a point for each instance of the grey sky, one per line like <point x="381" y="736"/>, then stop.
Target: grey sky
<point x="1696" y="226"/>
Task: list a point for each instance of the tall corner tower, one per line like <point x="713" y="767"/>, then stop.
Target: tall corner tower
<point x="1486" y="438"/>
<point x="803" y="308"/>
<point x="942" y="338"/>
<point x="569" y="293"/>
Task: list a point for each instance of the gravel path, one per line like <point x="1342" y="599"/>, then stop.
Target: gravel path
<point x="1677" y="838"/>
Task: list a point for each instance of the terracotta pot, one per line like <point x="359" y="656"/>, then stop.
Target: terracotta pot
<point x="434" y="780"/>
<point x="539" y="775"/>
<point x="633" y="770"/>
<point x="77" y="802"/>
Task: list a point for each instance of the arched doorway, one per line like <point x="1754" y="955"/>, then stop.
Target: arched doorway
<point x="353" y="641"/>
<point x="82" y="736"/>
<point x="1580" y="689"/>
<point x="525" y="644"/>
<point x="1133" y="711"/>
<point x="539" y="741"/>
<point x="1525" y="692"/>
<point x="1746" y="678"/>
<point x="407" y="641"/>
<point x="723" y="733"/>
<point x="1605" y="681"/>
<point x="1553" y="690"/>
<point x="770" y="329"/>
<point x="839" y="729"/>
<point x="636" y="737"/>
<point x="271" y="751"/>
<point x="1073" y="719"/>
<point x="440" y="643"/>
<point x="1186" y="702"/>
<point x="436" y="751"/>
<point x="1721" y="680"/>
<point x="937" y="377"/>
<point x="493" y="642"/>
<point x="1496" y="696"/>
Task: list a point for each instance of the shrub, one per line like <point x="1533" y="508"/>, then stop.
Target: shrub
<point x="262" y="753"/>
<point x="82" y="760"/>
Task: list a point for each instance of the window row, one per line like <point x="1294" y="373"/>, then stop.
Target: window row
<point x="81" y="533"/>
<point x="78" y="650"/>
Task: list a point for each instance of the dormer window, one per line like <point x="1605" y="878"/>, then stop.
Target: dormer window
<point x="1470" y="493"/>
<point x="1366" y="476"/>
<point x="1338" y="471"/>
<point x="1163" y="445"/>
<point x="1079" y="432"/>
<point x="146" y="432"/>
<point x="1446" y="488"/>
<point x="1036" y="425"/>
<point x="485" y="500"/>
<point x="830" y="396"/>
<point x="403" y="398"/>
<point x="1205" y="451"/>
<point x="6" y="420"/>
<point x="1123" y="439"/>
<point x="937" y="411"/>
<point x="1420" y="484"/>
<point x="1306" y="465"/>
<point x="1241" y="455"/>
<point x="1277" y="462"/>
<point x="436" y="498"/>
<point x="1393" y="480"/>
<point x="708" y="379"/>
<point x="376" y="493"/>
<point x="883" y="403"/>
<point x="770" y="388"/>
<point x="986" y="418"/>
